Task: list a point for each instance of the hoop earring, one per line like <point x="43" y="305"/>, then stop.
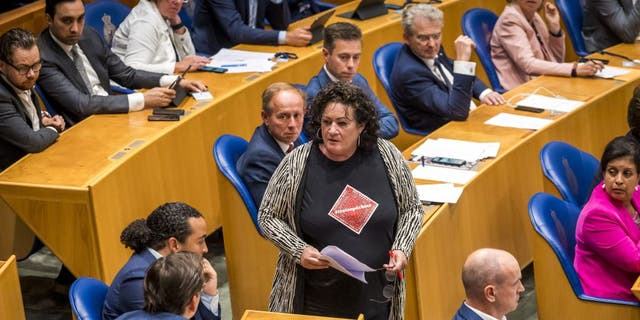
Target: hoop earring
<point x="358" y="144"/>
<point x="318" y="134"/>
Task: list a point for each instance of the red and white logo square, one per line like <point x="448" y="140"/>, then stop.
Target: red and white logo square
<point x="353" y="209"/>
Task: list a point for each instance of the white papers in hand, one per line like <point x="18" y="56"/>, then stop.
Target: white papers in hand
<point x="611" y="72"/>
<point x="457" y="149"/>
<point x="443" y="174"/>
<point x="548" y="103"/>
<point x="441" y="192"/>
<point x="518" y="121"/>
<point x="345" y="263"/>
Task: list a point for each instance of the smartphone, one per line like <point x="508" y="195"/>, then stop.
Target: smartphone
<point x="449" y="161"/>
<point x="529" y="109"/>
<point x="213" y="69"/>
<point x="178" y="112"/>
<point x="163" y="117"/>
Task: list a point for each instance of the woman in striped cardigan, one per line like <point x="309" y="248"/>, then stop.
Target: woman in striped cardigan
<point x="347" y="188"/>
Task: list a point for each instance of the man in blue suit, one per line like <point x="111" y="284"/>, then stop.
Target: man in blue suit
<point x="172" y="227"/>
<point x="341" y="51"/>
<point x="221" y="24"/>
<point x="428" y="88"/>
<point x="491" y="280"/>
<point x="282" y="117"/>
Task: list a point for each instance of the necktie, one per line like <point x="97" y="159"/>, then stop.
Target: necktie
<point x="443" y="75"/>
<point x="290" y="148"/>
<point x="80" y="67"/>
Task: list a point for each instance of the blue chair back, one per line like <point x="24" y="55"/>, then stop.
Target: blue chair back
<point x="555" y="220"/>
<point x="52" y="111"/>
<point x="571" y="13"/>
<point x="96" y="12"/>
<point x="383" y="60"/>
<point x="572" y="171"/>
<point x="87" y="297"/>
<point x="478" y="25"/>
<point x="226" y="151"/>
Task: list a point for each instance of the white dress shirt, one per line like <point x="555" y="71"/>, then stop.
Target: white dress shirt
<point x="30" y="108"/>
<point x="461" y="67"/>
<point x="483" y="315"/>
<point x="145" y="40"/>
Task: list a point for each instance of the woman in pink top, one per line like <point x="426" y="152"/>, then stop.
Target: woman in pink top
<point x="524" y="46"/>
<point x="607" y="256"/>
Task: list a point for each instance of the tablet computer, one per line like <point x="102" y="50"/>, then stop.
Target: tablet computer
<point x="317" y="27"/>
<point x="366" y="9"/>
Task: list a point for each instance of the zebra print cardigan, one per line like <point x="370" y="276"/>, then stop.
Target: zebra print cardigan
<point x="277" y="220"/>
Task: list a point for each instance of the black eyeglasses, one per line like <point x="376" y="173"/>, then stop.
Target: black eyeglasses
<point x="24" y="70"/>
<point x="390" y="288"/>
<point x="286" y="55"/>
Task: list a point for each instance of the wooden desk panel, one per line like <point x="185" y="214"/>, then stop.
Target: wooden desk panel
<point x="264" y="315"/>
<point x="11" y="306"/>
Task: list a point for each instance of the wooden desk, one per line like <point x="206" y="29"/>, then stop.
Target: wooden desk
<point x="265" y="315"/>
<point x="11" y="306"/>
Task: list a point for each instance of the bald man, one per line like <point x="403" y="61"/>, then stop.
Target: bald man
<point x="491" y="280"/>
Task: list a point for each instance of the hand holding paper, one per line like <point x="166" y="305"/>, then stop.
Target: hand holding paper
<point x="310" y="259"/>
<point x="345" y="263"/>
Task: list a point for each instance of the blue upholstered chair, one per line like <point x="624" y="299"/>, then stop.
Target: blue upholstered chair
<point x="558" y="289"/>
<point x="97" y="11"/>
<point x="226" y="151"/>
<point x="571" y="13"/>
<point x="383" y="60"/>
<point x="572" y="171"/>
<point x="52" y="111"/>
<point x="478" y="25"/>
<point x="87" y="297"/>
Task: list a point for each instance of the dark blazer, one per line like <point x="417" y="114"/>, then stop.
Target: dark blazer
<point x="63" y="85"/>
<point x="386" y="119"/>
<point x="17" y="137"/>
<point x="126" y="292"/>
<point x="142" y="315"/>
<point x="259" y="161"/>
<point x="425" y="102"/>
<point x="464" y="313"/>
<point x="221" y="24"/>
<point x="609" y="22"/>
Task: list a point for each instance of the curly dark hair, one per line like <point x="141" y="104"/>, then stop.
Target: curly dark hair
<point x="166" y="221"/>
<point x="620" y="147"/>
<point x="172" y="281"/>
<point x="361" y="106"/>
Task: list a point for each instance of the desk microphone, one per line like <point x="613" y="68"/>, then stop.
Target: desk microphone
<point x="619" y="56"/>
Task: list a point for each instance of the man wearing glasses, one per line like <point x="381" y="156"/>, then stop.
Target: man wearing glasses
<point x="428" y="88"/>
<point x="282" y="116"/>
<point x="77" y="67"/>
<point x="23" y="128"/>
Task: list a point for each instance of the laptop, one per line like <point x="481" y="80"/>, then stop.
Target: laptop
<point x="317" y="27"/>
<point x="367" y="9"/>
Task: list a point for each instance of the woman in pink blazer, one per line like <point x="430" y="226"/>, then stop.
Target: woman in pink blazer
<point x="607" y="256"/>
<point x="522" y="46"/>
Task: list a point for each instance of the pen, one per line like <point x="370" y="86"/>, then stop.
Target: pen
<point x="399" y="272"/>
<point x="173" y="85"/>
<point x="233" y="65"/>
<point x="422" y="160"/>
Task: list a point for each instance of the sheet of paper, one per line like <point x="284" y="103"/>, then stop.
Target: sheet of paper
<point x="345" y="263"/>
<point x="440" y="192"/>
<point x="443" y="174"/>
<point x="611" y="72"/>
<point x="457" y="149"/>
<point x="241" y="55"/>
<point x="239" y="61"/>
<point x="202" y="96"/>
<point x="518" y="121"/>
<point x="548" y="103"/>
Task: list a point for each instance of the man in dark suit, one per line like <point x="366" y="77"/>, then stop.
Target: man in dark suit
<point x="341" y="51"/>
<point x="609" y="22"/>
<point x="225" y="23"/>
<point x="77" y="67"/>
<point x="282" y="117"/>
<point x="23" y="128"/>
<point x="491" y="280"/>
<point x="170" y="228"/>
<point x="428" y="88"/>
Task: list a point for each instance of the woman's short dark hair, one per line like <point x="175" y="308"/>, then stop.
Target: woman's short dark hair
<point x="166" y="221"/>
<point x="172" y="281"/>
<point x="621" y="147"/>
<point x="633" y="113"/>
<point x="352" y="96"/>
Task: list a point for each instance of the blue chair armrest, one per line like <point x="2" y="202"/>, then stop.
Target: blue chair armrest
<point x="121" y="90"/>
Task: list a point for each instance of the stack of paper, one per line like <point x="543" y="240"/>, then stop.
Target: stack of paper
<point x="441" y="192"/>
<point x="457" y="149"/>
<point x="611" y="72"/>
<point x="238" y="61"/>
<point x="516" y="121"/>
<point x="548" y="103"/>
